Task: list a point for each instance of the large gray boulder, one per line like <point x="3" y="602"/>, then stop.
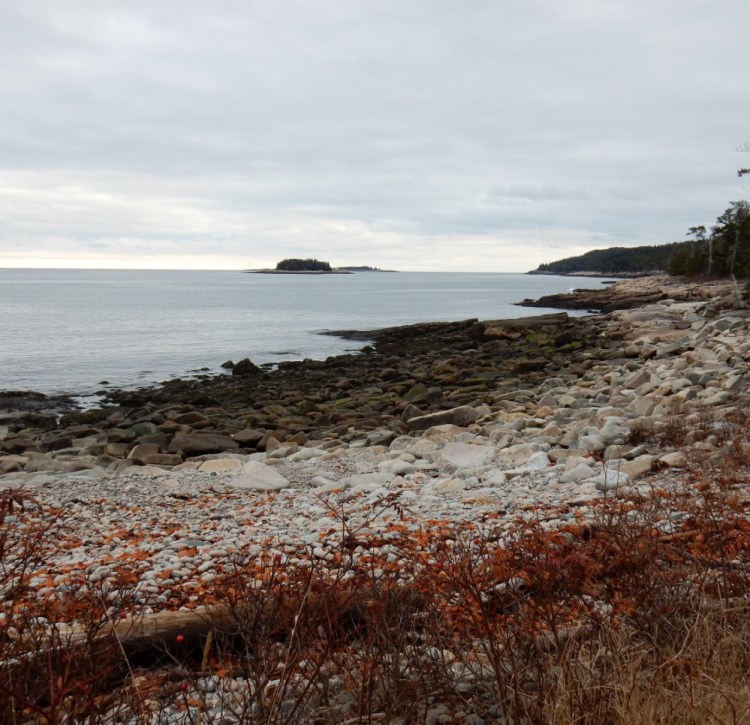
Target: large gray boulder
<point x="198" y="444"/>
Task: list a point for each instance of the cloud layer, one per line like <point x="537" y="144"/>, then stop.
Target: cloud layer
<point x="431" y="135"/>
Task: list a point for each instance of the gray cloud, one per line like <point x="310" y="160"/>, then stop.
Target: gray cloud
<point x="422" y="135"/>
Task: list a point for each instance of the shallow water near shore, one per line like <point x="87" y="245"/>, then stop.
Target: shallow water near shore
<point x="67" y="331"/>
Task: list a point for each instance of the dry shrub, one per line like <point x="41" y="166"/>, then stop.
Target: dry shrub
<point x="637" y="613"/>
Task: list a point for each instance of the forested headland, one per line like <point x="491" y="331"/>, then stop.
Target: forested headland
<point x="722" y="250"/>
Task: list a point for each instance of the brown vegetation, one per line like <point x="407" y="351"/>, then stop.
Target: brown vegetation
<point x="639" y="614"/>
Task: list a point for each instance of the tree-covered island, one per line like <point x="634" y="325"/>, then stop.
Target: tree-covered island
<point x="295" y="265"/>
<point x="313" y="266"/>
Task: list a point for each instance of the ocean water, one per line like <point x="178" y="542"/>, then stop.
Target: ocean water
<point x="71" y="330"/>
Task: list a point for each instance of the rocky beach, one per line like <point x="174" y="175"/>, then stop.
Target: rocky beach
<point x="433" y="429"/>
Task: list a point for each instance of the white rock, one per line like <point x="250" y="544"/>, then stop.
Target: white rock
<point x="219" y="465"/>
<point x="520" y="453"/>
<point x="638" y="466"/>
<point x="495" y="477"/>
<point x="449" y="485"/>
<point x="581" y="472"/>
<point x="591" y="443"/>
<point x="538" y="461"/>
<point x="399" y="467"/>
<point x="464" y="455"/>
<point x="643" y="406"/>
<point x="257" y="476"/>
<point x="610" y="480"/>
<point x="305" y="454"/>
<point x="674" y="460"/>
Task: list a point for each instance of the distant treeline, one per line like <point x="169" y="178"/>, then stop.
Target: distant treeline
<point x="721" y="251"/>
<point x="303" y="265"/>
<point x="616" y="260"/>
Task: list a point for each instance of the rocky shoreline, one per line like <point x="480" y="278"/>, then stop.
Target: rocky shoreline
<point x="408" y="379"/>
<point x="546" y="391"/>
<point x="432" y="430"/>
<point x="459" y="419"/>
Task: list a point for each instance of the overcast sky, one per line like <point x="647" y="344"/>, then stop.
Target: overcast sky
<point x="476" y="135"/>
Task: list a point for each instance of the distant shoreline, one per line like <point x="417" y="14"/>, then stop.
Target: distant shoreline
<point x="300" y="271"/>
<point x="341" y="270"/>
<point x="618" y="275"/>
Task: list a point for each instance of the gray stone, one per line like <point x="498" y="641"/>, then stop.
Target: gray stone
<point x="248" y="437"/>
<point x="538" y="461"/>
<point x="397" y="467"/>
<point x="219" y="465"/>
<point x="520" y="453"/>
<point x="246" y="367"/>
<point x="610" y="480"/>
<point x="197" y="444"/>
<point x="643" y="406"/>
<point x="464" y="455"/>
<point x="581" y="472"/>
<point x="462" y="416"/>
<point x="449" y="485"/>
<point x="142" y="451"/>
<point x="257" y="476"/>
<point x="638" y="466"/>
<point x="591" y="443"/>
<point x="674" y="460"/>
<point x="495" y="477"/>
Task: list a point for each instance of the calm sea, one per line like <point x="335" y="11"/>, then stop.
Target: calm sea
<point x="69" y="330"/>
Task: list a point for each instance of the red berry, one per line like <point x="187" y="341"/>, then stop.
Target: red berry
<point x="277" y="558"/>
<point x="180" y="638"/>
<point x="123" y="615"/>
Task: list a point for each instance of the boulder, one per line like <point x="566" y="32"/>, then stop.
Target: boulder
<point x="449" y="485"/>
<point x="246" y="367"/>
<point x="189" y="418"/>
<point x="519" y="454"/>
<point x="143" y="451"/>
<point x="581" y="472"/>
<point x="609" y="480"/>
<point x="638" y="466"/>
<point x="198" y="444"/>
<point x="162" y="459"/>
<point x="248" y="437"/>
<point x="674" y="460"/>
<point x="455" y="456"/>
<point x="257" y="476"/>
<point x="463" y="415"/>
<point x="143" y="428"/>
<point x="219" y="465"/>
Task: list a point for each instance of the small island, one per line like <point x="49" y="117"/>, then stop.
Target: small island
<point x="311" y="266"/>
<point x="301" y="266"/>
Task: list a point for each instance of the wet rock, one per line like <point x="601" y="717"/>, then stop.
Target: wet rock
<point x="246" y="368"/>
